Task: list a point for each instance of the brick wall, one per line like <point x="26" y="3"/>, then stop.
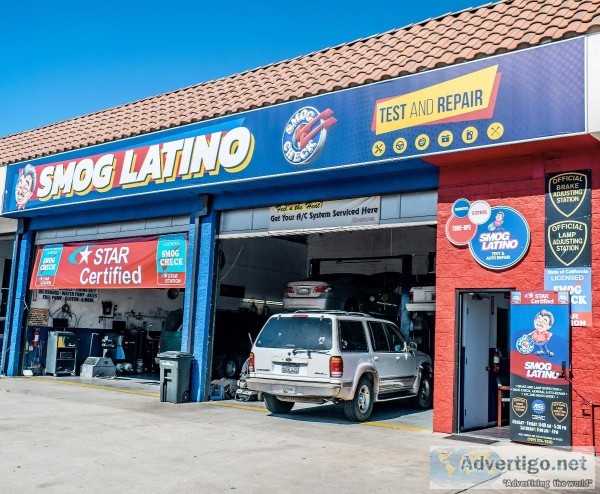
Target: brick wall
<point x="518" y="183"/>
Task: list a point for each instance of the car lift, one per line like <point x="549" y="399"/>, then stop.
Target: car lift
<point x="405" y="285"/>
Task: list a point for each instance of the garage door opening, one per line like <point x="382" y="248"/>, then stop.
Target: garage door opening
<point x="102" y="310"/>
<point x="386" y="272"/>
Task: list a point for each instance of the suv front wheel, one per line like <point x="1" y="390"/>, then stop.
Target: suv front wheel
<point x="424" y="396"/>
<point x="359" y="408"/>
<point x="276" y="406"/>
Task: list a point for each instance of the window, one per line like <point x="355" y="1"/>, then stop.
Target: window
<point x="395" y="338"/>
<point x="352" y="336"/>
<point x="174" y="321"/>
<point x="378" y="337"/>
<point x="308" y="333"/>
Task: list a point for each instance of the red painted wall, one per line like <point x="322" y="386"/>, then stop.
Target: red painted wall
<point x="518" y="182"/>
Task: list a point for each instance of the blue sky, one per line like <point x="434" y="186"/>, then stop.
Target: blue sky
<point x="61" y="59"/>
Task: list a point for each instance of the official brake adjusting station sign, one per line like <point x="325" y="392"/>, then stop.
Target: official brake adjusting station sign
<point x="498" y="237"/>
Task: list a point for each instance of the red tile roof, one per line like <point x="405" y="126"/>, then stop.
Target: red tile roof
<point x="453" y="38"/>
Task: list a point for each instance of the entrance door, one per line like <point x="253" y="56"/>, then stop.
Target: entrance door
<point x="476" y="344"/>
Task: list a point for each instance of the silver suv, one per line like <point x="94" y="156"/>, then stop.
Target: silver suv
<point x="346" y="357"/>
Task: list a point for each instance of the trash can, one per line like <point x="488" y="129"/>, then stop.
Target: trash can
<point x="175" y="376"/>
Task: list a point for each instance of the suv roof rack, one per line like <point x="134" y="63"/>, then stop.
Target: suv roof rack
<point x="339" y="312"/>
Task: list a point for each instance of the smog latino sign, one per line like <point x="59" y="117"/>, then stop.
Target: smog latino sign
<point x="145" y="262"/>
<point x="472" y="105"/>
<point x="498" y="237"/>
<point x="540" y="394"/>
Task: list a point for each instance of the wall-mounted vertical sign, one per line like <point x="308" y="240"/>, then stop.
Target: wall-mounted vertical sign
<point x="540" y="397"/>
<point x="171" y="254"/>
<point x="48" y="265"/>
<point x="568" y="240"/>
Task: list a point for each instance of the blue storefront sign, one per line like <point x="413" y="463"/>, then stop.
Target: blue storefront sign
<point x="400" y="122"/>
<point x="171" y="253"/>
<point x="578" y="282"/>
<point x="540" y="394"/>
<point x="48" y="266"/>
<point x="502" y="240"/>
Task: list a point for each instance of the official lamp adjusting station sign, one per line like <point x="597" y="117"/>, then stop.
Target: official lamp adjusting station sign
<point x="150" y="262"/>
<point x="475" y="104"/>
<point x="498" y="237"/>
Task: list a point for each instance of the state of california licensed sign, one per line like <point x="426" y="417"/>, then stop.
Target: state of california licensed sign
<point x="502" y="241"/>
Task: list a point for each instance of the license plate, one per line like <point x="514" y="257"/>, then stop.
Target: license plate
<point x="303" y="291"/>
<point x="289" y="369"/>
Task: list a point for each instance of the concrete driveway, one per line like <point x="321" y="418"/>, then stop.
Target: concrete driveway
<point x="60" y="438"/>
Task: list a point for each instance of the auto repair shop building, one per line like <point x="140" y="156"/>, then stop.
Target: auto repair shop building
<point x="482" y="122"/>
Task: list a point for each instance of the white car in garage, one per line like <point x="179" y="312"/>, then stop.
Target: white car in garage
<point x="336" y="356"/>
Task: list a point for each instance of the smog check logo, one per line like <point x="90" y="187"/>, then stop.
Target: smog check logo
<point x="305" y="134"/>
<point x="525" y="345"/>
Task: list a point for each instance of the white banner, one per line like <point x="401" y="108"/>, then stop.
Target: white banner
<point x="325" y="214"/>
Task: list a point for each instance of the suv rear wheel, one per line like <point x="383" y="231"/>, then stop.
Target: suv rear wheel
<point x="359" y="408"/>
<point x="276" y="406"/>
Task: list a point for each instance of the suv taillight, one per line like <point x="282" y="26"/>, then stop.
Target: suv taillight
<point x="251" y="363"/>
<point x="289" y="289"/>
<point x="411" y="296"/>
<point x="336" y="367"/>
<point x="322" y="289"/>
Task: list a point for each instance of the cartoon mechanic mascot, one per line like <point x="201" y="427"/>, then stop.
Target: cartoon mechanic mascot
<point x="541" y="335"/>
<point x="497" y="224"/>
<point x="25" y="186"/>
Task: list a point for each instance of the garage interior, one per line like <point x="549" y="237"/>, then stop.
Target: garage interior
<point x="67" y="326"/>
<point x="112" y="335"/>
<point x="255" y="269"/>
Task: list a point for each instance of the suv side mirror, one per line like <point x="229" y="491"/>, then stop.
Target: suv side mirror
<point x="412" y="346"/>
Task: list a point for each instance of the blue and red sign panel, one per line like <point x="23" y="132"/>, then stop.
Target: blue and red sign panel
<point x="540" y="394"/>
<point x="530" y="94"/>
